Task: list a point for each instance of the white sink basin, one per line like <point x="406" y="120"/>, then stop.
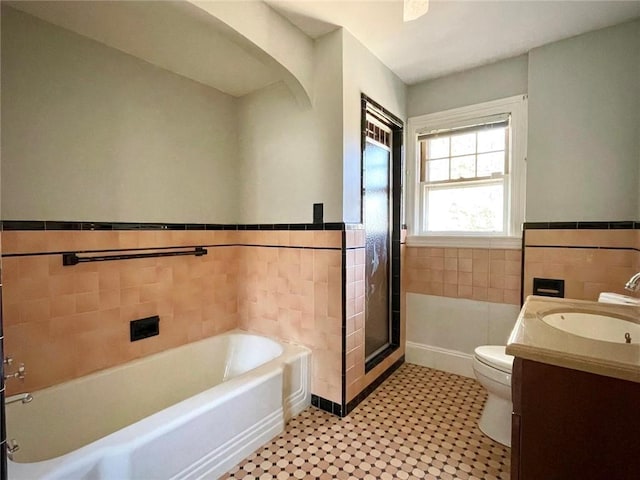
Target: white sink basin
<point x="594" y="325"/>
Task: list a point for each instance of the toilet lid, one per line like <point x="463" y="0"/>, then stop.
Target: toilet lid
<point x="495" y="356"/>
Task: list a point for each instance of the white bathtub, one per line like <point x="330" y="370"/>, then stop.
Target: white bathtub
<point x="186" y="413"/>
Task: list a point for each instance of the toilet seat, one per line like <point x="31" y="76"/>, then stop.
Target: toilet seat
<point x="495" y="356"/>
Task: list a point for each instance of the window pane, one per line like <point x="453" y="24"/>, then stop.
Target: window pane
<point x="438" y="170"/>
<point x="438" y="147"/>
<point x="476" y="208"/>
<point x="489" y="163"/>
<point x="463" y="167"/>
<point x="463" y="144"/>
<point x="491" y="139"/>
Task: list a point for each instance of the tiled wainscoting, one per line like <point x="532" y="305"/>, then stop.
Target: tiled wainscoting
<point x="590" y="257"/>
<point x="490" y="275"/>
<point x="357" y="381"/>
<point x="64" y="322"/>
<point x="457" y="299"/>
<point x="295" y="294"/>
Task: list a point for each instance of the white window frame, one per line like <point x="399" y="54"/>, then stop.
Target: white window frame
<point x="515" y="185"/>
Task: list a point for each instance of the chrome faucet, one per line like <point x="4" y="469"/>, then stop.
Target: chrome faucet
<point x="633" y="285"/>
<point x="12" y="447"/>
<point x="19" y="374"/>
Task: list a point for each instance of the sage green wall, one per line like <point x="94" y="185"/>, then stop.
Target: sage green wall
<point x="293" y="157"/>
<point x="290" y="155"/>
<point x="482" y="84"/>
<point x="91" y="133"/>
<point x="584" y="124"/>
<point x="363" y="73"/>
<point x="583" y="158"/>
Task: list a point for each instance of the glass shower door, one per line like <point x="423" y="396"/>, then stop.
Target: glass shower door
<point x="376" y="179"/>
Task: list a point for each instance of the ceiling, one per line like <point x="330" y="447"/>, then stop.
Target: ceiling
<point x="454" y="35"/>
<point x="174" y="35"/>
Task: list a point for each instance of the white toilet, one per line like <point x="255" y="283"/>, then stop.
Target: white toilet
<point x="492" y="367"/>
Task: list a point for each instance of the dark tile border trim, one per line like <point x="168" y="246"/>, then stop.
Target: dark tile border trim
<point x="337" y="409"/>
<point x="117" y="250"/>
<point x="378" y="359"/>
<point x="12" y="225"/>
<point x="326" y="405"/>
<point x="588" y="247"/>
<point x="343" y="369"/>
<point x="375" y="384"/>
<point x="616" y="225"/>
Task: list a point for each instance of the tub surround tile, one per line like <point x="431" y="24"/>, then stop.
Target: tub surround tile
<point x="64" y="322"/>
<point x="291" y="294"/>
<point x="282" y="283"/>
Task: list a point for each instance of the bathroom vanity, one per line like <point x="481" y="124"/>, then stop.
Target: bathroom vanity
<point x="576" y="400"/>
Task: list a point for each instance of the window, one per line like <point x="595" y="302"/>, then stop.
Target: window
<point x="468" y="173"/>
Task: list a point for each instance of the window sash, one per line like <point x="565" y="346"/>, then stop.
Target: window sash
<point x="425" y="187"/>
<point x="503" y="123"/>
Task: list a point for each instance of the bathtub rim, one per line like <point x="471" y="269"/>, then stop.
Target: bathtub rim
<point x="127" y="438"/>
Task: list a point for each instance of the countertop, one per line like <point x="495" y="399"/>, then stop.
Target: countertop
<point x="533" y="339"/>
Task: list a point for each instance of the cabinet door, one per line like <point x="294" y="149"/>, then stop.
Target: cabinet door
<point x="575" y="425"/>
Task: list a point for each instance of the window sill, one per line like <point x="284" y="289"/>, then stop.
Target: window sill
<point x="507" y="243"/>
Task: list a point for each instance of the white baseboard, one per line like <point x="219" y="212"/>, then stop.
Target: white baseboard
<point x="440" y="358"/>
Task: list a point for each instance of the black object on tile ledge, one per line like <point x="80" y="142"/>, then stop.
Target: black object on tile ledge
<point x="318" y="213"/>
<point x="70" y="259"/>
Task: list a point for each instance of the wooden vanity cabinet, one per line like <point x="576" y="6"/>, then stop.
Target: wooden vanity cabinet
<point x="572" y="425"/>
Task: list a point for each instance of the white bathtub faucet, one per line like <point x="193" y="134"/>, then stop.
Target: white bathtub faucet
<point x="633" y="285"/>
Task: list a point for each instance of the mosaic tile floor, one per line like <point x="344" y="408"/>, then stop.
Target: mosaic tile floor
<point x="420" y="423"/>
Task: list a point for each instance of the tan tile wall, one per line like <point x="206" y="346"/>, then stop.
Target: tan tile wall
<point x="65" y="322"/>
<point x="356" y="379"/>
<point x="355" y="312"/>
<point x="296" y="295"/>
<point x="491" y="275"/>
<point x="586" y="271"/>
